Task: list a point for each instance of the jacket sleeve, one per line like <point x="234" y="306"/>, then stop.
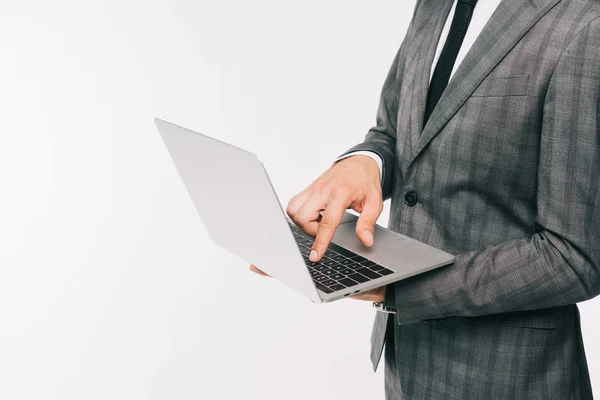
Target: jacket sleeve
<point x="560" y="263"/>
<point x="381" y="139"/>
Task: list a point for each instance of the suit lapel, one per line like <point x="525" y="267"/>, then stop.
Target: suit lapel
<point x="509" y="23"/>
<point x="438" y="10"/>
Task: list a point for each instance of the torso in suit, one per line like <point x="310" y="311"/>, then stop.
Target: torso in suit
<point x="506" y="176"/>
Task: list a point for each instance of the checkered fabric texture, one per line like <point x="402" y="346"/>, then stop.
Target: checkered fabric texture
<point x="506" y="174"/>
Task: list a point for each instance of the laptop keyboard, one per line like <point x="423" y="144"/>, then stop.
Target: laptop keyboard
<point x="339" y="268"/>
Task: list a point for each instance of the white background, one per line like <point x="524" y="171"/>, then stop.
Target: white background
<point x="109" y="286"/>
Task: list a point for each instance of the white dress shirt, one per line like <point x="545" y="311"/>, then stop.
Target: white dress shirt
<point x="481" y="14"/>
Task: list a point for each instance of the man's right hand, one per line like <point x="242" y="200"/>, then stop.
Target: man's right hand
<point x="352" y="182"/>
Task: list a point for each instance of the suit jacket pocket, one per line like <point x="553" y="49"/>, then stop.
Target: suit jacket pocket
<point x="501" y="86"/>
<point x="549" y="318"/>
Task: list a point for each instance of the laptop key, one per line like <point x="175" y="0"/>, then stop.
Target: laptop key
<point x="319" y="267"/>
<point x="346" y="271"/>
<point x="330" y="263"/>
<point x="341" y="250"/>
<point x="337" y="286"/>
<point x="347" y="262"/>
<point x="320" y="278"/>
<point x="358" y="258"/>
<point x="328" y="272"/>
<point x="367" y="272"/>
<point x="385" y="272"/>
<point x="337" y="277"/>
<point x="328" y="282"/>
<point x="314" y="273"/>
<point x="347" y="282"/>
<point x="354" y="266"/>
<point x="358" y="278"/>
<point x="338" y="267"/>
<point x="324" y="288"/>
<point x="368" y="263"/>
<point x="338" y="258"/>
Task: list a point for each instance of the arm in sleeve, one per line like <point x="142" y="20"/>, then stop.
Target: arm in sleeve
<point x="381" y="139"/>
<point x="560" y="263"/>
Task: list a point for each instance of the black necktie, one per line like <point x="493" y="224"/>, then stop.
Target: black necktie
<point x="443" y="69"/>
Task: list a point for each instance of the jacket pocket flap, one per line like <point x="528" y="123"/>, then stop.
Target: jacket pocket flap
<point x="500" y="86"/>
<point x="549" y="318"/>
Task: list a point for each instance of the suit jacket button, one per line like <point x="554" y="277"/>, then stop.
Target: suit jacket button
<point x="410" y="199"/>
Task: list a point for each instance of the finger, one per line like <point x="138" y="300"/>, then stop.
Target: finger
<point x="258" y="271"/>
<point x="296" y="202"/>
<point x="377" y="294"/>
<point x="365" y="226"/>
<point x="309" y="215"/>
<point x="365" y="297"/>
<point x="329" y="222"/>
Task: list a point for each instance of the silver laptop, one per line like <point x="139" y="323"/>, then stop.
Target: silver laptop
<point x="232" y="193"/>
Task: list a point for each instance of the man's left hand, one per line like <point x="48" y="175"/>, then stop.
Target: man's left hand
<point x="375" y="295"/>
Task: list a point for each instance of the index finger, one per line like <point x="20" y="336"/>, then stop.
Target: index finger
<point x="331" y="219"/>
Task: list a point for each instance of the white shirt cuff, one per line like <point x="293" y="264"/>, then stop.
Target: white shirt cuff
<point x="374" y="156"/>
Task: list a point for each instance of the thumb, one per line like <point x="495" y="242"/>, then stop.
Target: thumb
<point x="365" y="226"/>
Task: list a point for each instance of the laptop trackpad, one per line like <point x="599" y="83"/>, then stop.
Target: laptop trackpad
<point x="389" y="247"/>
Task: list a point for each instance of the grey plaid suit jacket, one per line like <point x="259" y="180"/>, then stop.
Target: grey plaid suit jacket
<point x="507" y="176"/>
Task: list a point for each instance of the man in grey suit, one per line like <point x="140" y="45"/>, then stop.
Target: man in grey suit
<point x="499" y="165"/>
